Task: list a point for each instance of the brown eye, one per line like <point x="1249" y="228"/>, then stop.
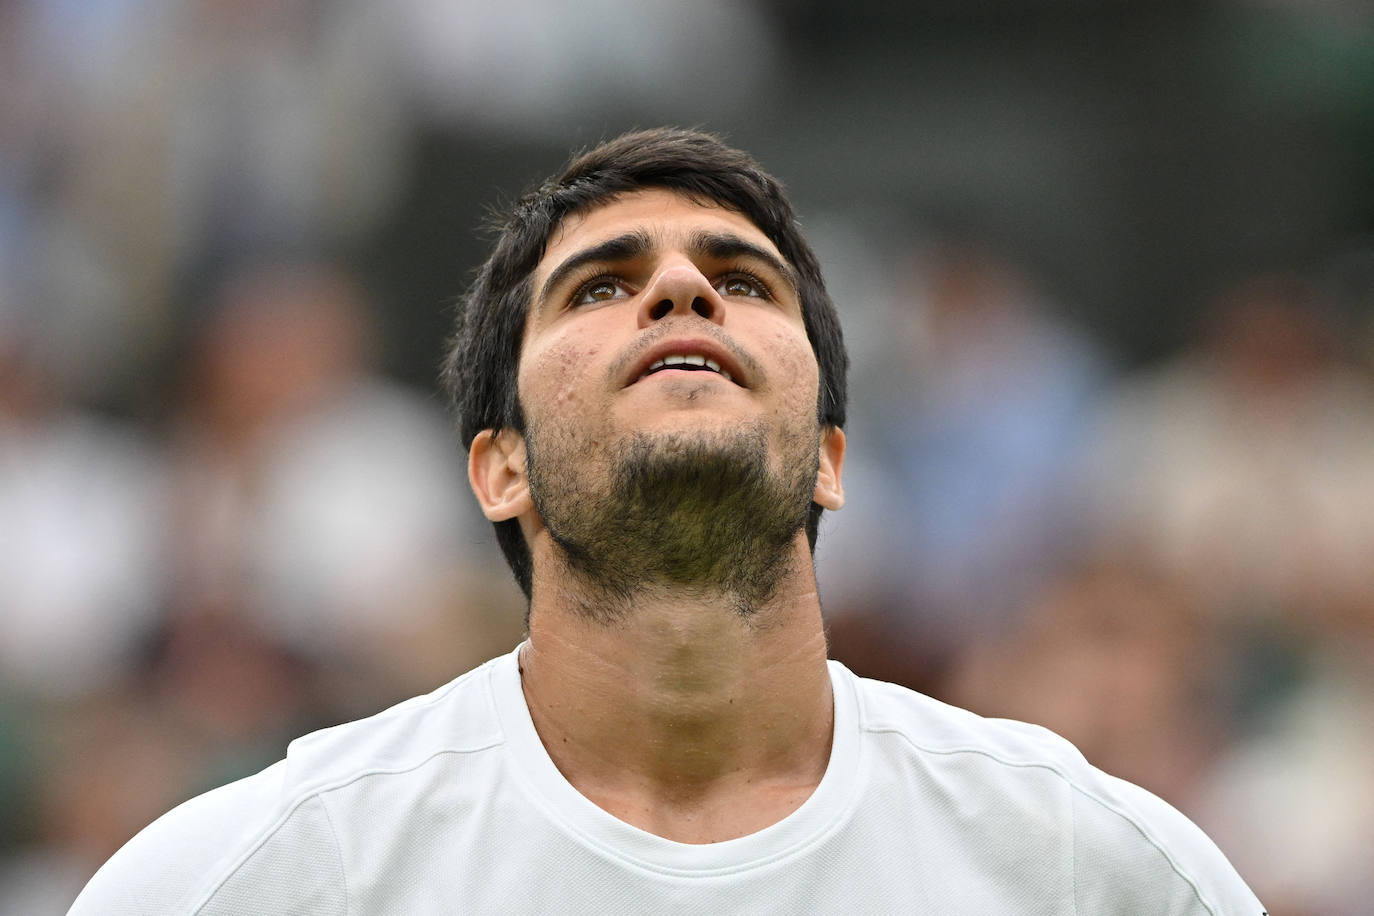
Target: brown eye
<point x="737" y="285"/>
<point x="600" y="291"/>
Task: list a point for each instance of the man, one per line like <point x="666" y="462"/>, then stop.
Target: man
<point x="650" y="378"/>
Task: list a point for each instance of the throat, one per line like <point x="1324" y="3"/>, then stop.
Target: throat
<point x="676" y="744"/>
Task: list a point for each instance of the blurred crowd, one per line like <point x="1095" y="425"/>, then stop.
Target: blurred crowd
<point x="227" y="519"/>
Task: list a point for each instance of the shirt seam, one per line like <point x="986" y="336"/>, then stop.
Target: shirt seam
<point x="414" y="704"/>
<point x="338" y="854"/>
<point x="1149" y="838"/>
<point x="1073" y="855"/>
<point x="1072" y="784"/>
<point x="318" y="793"/>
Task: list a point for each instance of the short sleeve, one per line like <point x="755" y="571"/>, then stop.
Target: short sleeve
<point x="230" y="851"/>
<point x="1134" y="853"/>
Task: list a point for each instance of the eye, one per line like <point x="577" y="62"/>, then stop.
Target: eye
<point x="741" y="285"/>
<point x="602" y="289"/>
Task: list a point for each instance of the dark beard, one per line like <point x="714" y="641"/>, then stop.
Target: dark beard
<point x="685" y="514"/>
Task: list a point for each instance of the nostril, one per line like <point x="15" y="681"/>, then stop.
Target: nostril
<point x="660" y="309"/>
<point x="701" y="307"/>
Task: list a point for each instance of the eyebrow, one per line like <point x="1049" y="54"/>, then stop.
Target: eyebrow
<point x="719" y="246"/>
<point x="723" y="246"/>
<point x="624" y="247"/>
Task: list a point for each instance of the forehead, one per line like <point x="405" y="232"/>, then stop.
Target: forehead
<point x="667" y="216"/>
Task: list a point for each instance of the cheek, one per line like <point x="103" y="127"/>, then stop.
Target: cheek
<point x="557" y="376"/>
<point x="797" y="369"/>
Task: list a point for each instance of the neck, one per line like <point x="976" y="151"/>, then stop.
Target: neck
<point x="681" y="715"/>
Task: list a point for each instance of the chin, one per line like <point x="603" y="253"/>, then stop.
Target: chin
<point x="706" y="422"/>
<point x="709" y="435"/>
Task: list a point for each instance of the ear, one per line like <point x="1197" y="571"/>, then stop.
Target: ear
<point x="829" y="487"/>
<point x="496" y="470"/>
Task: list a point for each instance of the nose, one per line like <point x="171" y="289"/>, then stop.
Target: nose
<point x="681" y="289"/>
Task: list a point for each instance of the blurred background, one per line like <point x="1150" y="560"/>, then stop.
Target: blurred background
<point x="1106" y="269"/>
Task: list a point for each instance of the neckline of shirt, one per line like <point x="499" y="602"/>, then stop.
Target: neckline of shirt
<point x="576" y="814"/>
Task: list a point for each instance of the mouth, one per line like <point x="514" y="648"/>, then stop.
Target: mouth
<point x="681" y="356"/>
<point x="690" y="362"/>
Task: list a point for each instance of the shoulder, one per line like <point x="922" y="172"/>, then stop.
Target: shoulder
<point x="275" y="825"/>
<point x="948" y="737"/>
<point x="1125" y="846"/>
<point x="457" y="718"/>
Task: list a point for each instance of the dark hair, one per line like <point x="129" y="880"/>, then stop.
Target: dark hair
<point x="480" y="368"/>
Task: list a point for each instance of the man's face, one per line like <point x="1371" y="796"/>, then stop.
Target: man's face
<point x="665" y="351"/>
<point x="655" y="275"/>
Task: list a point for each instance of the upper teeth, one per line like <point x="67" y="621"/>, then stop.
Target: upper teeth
<point x="694" y="359"/>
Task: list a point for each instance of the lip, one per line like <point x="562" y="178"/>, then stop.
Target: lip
<point x="703" y="346"/>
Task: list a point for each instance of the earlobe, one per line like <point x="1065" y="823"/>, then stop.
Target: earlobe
<point x="496" y="470"/>
<point x="829" y="484"/>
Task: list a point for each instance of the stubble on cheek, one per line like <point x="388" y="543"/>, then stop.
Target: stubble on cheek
<point x="796" y="382"/>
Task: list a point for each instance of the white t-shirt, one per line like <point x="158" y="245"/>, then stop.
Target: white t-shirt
<point x="448" y="803"/>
